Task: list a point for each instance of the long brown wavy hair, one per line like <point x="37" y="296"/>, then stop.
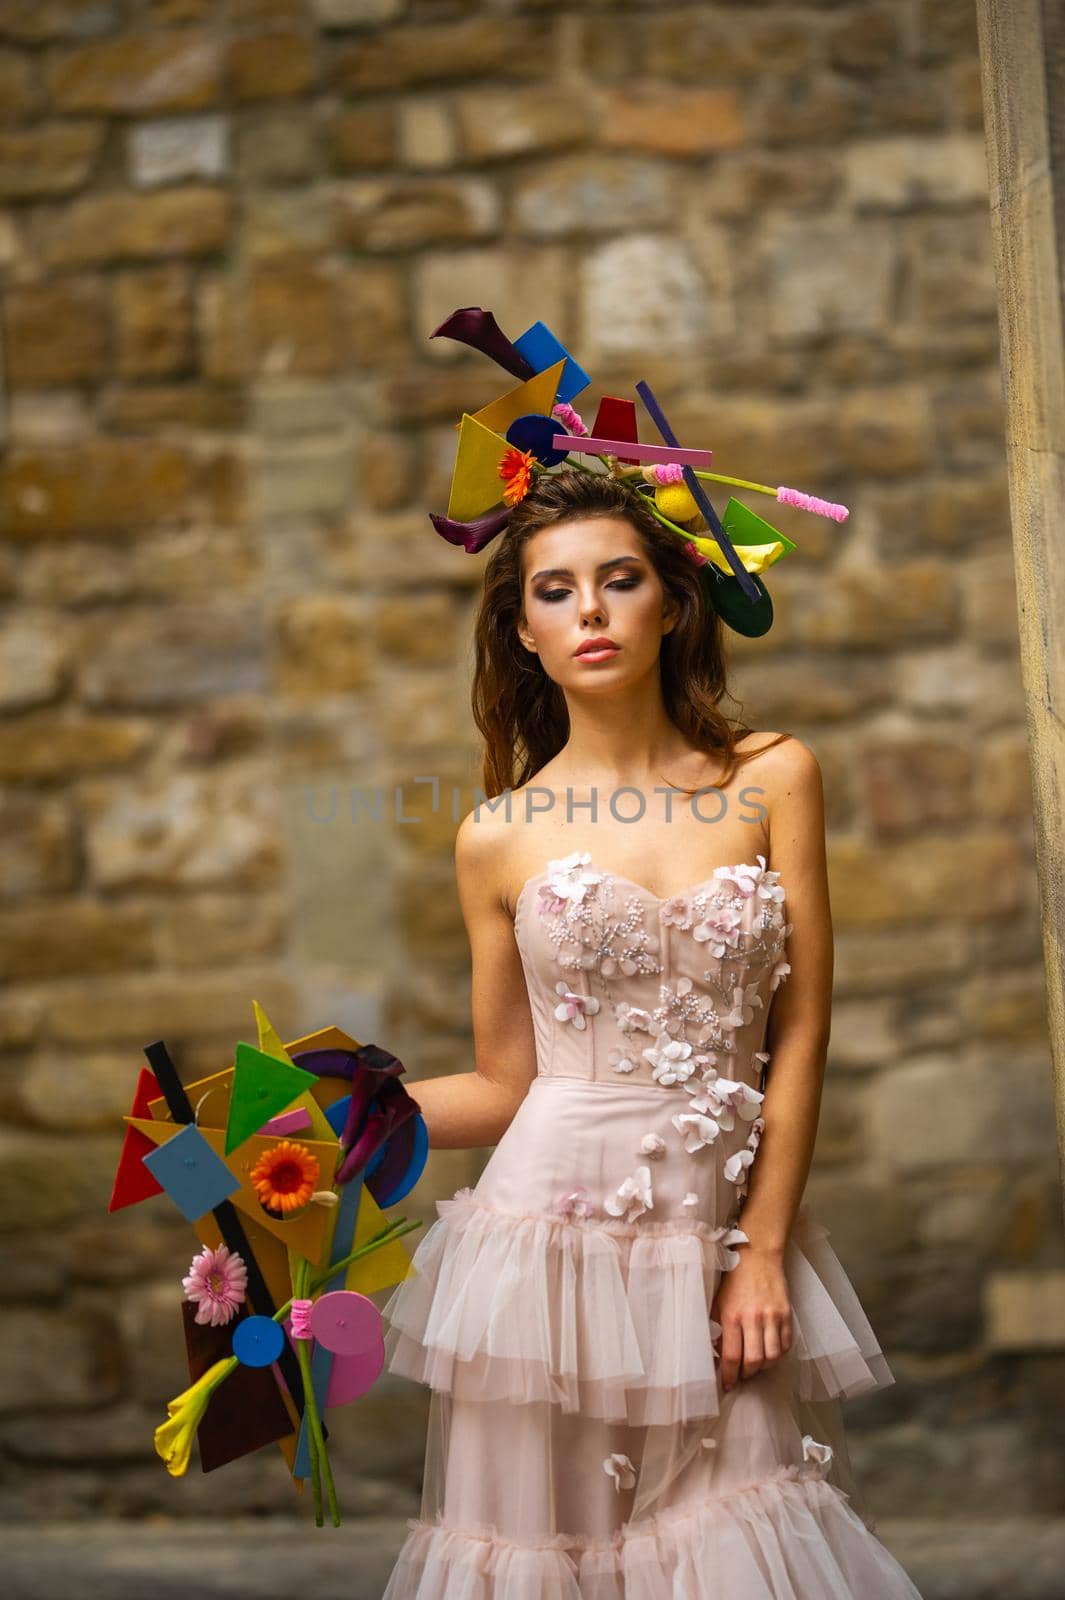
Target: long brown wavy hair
<point x="519" y="710"/>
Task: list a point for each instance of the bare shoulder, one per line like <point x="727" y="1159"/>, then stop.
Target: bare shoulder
<point x="479" y="856"/>
<point x="784" y="763"/>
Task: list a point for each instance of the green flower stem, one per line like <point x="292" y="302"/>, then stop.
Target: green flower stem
<point x="303" y="1356"/>
<point x="395" y="1231"/>
<point x="319" y="1451"/>
<point x="299" y="1267"/>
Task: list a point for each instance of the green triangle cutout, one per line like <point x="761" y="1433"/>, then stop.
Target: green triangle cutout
<point x="745" y="526"/>
<point x="263" y="1087"/>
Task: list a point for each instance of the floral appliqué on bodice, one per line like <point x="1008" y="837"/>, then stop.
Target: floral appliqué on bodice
<point x="734" y="925"/>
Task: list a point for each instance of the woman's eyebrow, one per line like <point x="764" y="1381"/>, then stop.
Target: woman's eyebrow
<point x="566" y="572"/>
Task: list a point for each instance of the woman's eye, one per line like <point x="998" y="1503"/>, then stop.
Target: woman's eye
<point x="550" y="595"/>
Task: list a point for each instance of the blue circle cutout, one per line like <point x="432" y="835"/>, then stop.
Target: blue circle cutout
<point x="415" y="1166"/>
<point x="258" y="1341"/>
<point x="534" y="432"/>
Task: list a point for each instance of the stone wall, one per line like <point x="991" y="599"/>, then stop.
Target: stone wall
<point x="228" y="229"/>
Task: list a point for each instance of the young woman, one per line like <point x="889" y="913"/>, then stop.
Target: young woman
<point x="636" y="1336"/>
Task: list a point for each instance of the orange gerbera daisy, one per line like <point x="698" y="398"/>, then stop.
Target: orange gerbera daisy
<point x="285" y="1177"/>
<point x="516" y="470"/>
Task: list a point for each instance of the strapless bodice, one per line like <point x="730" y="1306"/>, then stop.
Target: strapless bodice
<point x="675" y="991"/>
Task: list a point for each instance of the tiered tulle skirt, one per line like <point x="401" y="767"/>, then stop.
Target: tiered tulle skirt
<point x="580" y="1445"/>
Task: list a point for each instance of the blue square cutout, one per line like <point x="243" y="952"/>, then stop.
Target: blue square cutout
<point x="193" y="1176"/>
<point x="541" y="350"/>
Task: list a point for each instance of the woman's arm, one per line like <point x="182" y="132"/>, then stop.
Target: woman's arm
<point x="463" y="1110"/>
<point x="752" y="1303"/>
<point x="800" y="1016"/>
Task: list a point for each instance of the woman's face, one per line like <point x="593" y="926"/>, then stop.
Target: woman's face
<point x="588" y="578"/>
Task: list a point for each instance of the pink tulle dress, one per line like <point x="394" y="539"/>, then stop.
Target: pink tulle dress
<point x="580" y="1444"/>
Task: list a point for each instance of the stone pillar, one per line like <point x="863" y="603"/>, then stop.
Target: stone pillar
<point x="1022" y="53"/>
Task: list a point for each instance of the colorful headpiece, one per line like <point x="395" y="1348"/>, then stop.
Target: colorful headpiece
<point x="534" y="428"/>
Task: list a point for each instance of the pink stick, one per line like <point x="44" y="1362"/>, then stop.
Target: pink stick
<point x="635" y="452"/>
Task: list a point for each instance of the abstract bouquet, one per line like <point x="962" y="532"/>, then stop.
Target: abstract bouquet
<point x="282" y="1163"/>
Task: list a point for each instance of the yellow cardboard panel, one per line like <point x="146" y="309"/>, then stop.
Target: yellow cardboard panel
<point x="535" y="395"/>
<point x="475" y="484"/>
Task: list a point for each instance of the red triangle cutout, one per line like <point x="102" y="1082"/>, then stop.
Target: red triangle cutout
<point x="133" y="1181"/>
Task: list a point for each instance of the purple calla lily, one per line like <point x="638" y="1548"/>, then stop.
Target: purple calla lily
<point x="473" y="536"/>
<point x="478" y="328"/>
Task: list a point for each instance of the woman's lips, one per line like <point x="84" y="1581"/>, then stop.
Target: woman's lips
<point x="599" y="655"/>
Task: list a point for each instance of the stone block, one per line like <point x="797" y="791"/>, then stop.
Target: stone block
<point x="1026" y="1310"/>
<point x="593" y="194"/>
<point x="872" y="609"/>
<point x="417" y="630"/>
<point x="55" y="332"/>
<point x="957" y="680"/>
<point x="306" y="480"/>
<point x="637" y="297"/>
<point x="906" y="173"/>
<point x="373" y="329"/>
<point x="1004" y="782"/>
<point x="810" y="690"/>
<point x="58" y="1358"/>
<point x="195" y="831"/>
<point x="176" y="149"/>
<point x="35" y="659"/>
<point x="459" y="49"/>
<point x="975" y="874"/>
<point x="691" y="46"/>
<point x="68" y="1179"/>
<point x="811" y="109"/>
<point x="427" y="135"/>
<point x="324" y="644"/>
<point x="38" y="848"/>
<point x="187" y="221"/>
<point x="208" y="1009"/>
<point x="829" y="277"/>
<point x="990" y="589"/>
<point x="953" y="270"/>
<point x="356" y="13"/>
<point x="278" y="144"/>
<point x="944" y="513"/>
<point x="407" y="213"/>
<point x="18" y="96"/>
<point x="363" y="137"/>
<point x="68" y="937"/>
<point x="48" y="746"/>
<point x="151" y="408"/>
<point x="50" y="159"/>
<point x="154" y="322"/>
<point x="212" y="930"/>
<point x="911" y="783"/>
<point x="939" y="1112"/>
<point x="270" y="66"/>
<point x="173" y="655"/>
<point x="499" y="124"/>
<point x="105" y="487"/>
<point x="175" y="70"/>
<point x="386" y="475"/>
<point x="866" y="40"/>
<point x="671" y="120"/>
<point x="292" y="318"/>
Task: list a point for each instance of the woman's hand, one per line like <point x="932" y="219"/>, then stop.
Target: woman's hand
<point x="753" y="1306"/>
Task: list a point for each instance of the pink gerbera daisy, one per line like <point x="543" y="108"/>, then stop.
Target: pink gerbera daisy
<point x="218" y="1280"/>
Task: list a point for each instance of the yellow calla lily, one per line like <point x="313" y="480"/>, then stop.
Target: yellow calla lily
<point x="173" y="1438"/>
<point x="753" y="557"/>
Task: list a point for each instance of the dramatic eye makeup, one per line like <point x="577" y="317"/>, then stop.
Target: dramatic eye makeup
<point x="629" y="570"/>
